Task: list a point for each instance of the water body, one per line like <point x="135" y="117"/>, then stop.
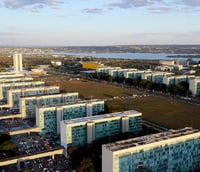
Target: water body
<point x="149" y="56"/>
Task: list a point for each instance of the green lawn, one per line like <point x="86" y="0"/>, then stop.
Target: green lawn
<point x="165" y="111"/>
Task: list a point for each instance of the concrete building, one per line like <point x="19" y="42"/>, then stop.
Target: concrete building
<point x="176" y="150"/>
<point x="7" y="86"/>
<point x="48" y="117"/>
<point x="135" y="74"/>
<point x="85" y="130"/>
<point x="167" y="62"/>
<point x="169" y="80"/>
<point x="91" y="65"/>
<point x="14" y="80"/>
<point x="28" y="104"/>
<point x="12" y="75"/>
<point x="156" y="77"/>
<point x="17" y="62"/>
<point x="14" y="95"/>
<point x="106" y="69"/>
<point x="194" y="86"/>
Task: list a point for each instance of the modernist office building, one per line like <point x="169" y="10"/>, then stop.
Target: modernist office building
<point x="28" y="104"/>
<point x="169" y="80"/>
<point x="177" y="150"/>
<point x="17" y="62"/>
<point x="15" y="80"/>
<point x="12" y="75"/>
<point x="14" y="95"/>
<point x="156" y="77"/>
<point x="194" y="86"/>
<point x="81" y="131"/>
<point x="6" y="86"/>
<point x="48" y="117"/>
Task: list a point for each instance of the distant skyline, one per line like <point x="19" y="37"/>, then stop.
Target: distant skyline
<point x="99" y="22"/>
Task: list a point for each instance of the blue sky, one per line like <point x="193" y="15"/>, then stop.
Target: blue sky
<point x="99" y="22"/>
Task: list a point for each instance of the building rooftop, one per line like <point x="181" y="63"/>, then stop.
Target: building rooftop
<point x="21" y="83"/>
<point x="71" y="103"/>
<point x="34" y="88"/>
<point x="101" y="117"/>
<point x="150" y="139"/>
<point x="49" y="95"/>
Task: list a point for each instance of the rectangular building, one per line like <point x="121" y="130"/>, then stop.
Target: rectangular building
<point x="48" y="117"/>
<point x="12" y="75"/>
<point x="177" y="150"/>
<point x="194" y="86"/>
<point x="85" y="130"/>
<point x="171" y="80"/>
<point x="14" y="95"/>
<point x="14" y="80"/>
<point x="7" y="86"/>
<point x="156" y="77"/>
<point x="28" y="103"/>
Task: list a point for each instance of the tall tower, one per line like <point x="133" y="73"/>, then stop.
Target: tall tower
<point x="17" y="61"/>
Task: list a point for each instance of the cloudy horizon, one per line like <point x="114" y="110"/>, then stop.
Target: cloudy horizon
<point x="105" y="22"/>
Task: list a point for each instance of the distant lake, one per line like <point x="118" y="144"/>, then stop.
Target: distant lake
<point x="149" y="56"/>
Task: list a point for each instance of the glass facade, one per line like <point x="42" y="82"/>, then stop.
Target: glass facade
<point x="107" y="128"/>
<point x="68" y="112"/>
<point x="46" y="100"/>
<point x="181" y="156"/>
<point x="50" y="122"/>
<point x="78" y="135"/>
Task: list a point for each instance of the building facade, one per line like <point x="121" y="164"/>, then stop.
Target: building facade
<point x="177" y="150"/>
<point x="14" y="95"/>
<point x="194" y="86"/>
<point x="171" y="80"/>
<point x="85" y="130"/>
<point x="19" y="85"/>
<point x="15" y="80"/>
<point x="28" y="103"/>
<point x="17" y="62"/>
<point x="48" y="117"/>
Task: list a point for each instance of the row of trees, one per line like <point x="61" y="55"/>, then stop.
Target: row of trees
<point x="181" y="89"/>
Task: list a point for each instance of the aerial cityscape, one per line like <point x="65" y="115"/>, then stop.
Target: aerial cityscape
<point x="100" y="86"/>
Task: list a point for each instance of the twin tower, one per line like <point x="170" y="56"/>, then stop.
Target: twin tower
<point x="17" y="62"/>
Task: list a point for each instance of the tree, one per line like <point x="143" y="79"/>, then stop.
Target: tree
<point x="86" y="165"/>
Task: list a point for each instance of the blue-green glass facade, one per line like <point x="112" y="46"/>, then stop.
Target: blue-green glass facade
<point x="50" y="122"/>
<point x="107" y="128"/>
<point x="177" y="157"/>
<point x="79" y="135"/>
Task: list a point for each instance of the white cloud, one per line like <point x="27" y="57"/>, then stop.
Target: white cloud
<point x="93" y="10"/>
<point x="33" y="5"/>
<point x="158" y="6"/>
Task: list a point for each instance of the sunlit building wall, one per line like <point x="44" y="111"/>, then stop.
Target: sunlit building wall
<point x="176" y="150"/>
<point x="48" y="117"/>
<point x="81" y="131"/>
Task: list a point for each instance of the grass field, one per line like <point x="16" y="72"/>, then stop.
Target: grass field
<point x="165" y="111"/>
<point x="88" y="90"/>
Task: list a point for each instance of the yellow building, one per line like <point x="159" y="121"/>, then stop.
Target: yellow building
<point x="91" y="65"/>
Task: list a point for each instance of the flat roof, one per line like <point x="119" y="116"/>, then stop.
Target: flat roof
<point x="100" y="117"/>
<point x="50" y="95"/>
<point x="34" y="88"/>
<point x="152" y="138"/>
<point x="21" y="83"/>
<point x="72" y="103"/>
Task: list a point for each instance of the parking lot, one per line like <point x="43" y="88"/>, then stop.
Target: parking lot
<point x="32" y="144"/>
<point x="12" y="125"/>
<point x="46" y="164"/>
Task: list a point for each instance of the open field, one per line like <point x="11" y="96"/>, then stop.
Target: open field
<point x="168" y="112"/>
<point x="162" y="110"/>
<point x="88" y="90"/>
